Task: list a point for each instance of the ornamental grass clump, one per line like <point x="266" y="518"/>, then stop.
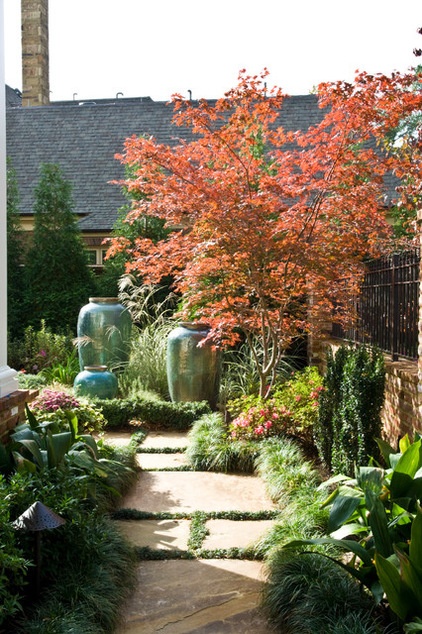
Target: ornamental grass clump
<point x="210" y="448"/>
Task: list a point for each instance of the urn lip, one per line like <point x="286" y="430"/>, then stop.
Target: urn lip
<point x="104" y="300"/>
<point x="194" y="325"/>
<point x="95" y="368"/>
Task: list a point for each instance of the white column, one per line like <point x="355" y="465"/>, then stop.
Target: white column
<point x="8" y="380"/>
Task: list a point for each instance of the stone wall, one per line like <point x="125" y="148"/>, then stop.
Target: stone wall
<point x="12" y="410"/>
<point x="400" y="414"/>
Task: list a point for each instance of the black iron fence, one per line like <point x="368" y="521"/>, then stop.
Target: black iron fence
<point x="387" y="306"/>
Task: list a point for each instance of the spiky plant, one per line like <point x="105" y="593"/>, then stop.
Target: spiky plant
<point x="308" y="593"/>
<point x="209" y="448"/>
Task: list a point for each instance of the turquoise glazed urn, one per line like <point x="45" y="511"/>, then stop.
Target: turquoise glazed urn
<point x="193" y="370"/>
<point x="96" y="381"/>
<point x="103" y="333"/>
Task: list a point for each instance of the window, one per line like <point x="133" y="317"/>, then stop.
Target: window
<point x="92" y="257"/>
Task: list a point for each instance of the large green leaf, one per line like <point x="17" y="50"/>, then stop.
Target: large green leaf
<point x="342" y="509"/>
<point x="57" y="447"/>
<point x="73" y="424"/>
<point x="23" y="465"/>
<point x="371" y="478"/>
<point x="385" y="449"/>
<point x="5" y="459"/>
<point x="414" y="626"/>
<point x="404" y="443"/>
<point x="399" y="598"/>
<point x="415" y="547"/>
<point x="405" y="470"/>
<point x="34" y="449"/>
<point x="85" y="461"/>
<point x="378" y="522"/>
<point x="345" y="544"/>
<point x="91" y="442"/>
<point x="412" y="581"/>
<point x="32" y="421"/>
<point x="351" y="528"/>
<point x="415" y="490"/>
<point x="24" y="432"/>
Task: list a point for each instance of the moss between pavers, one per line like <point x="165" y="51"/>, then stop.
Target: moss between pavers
<point x="198" y="533"/>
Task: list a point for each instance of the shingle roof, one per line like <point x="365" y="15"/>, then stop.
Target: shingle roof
<point x="13" y="97"/>
<point x="83" y="140"/>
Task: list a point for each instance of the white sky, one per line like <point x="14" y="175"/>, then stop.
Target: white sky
<point x="158" y="47"/>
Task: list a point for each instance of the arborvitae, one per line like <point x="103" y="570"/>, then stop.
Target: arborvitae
<point x="58" y="278"/>
<point x="349" y="413"/>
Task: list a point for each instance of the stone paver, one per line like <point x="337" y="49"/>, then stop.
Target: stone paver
<point x="118" y="439"/>
<point x="235" y="534"/>
<point x="199" y="596"/>
<point x="160" y="460"/>
<point x="173" y="439"/>
<point x="182" y="491"/>
<point x="157" y="534"/>
<point x="178" y="596"/>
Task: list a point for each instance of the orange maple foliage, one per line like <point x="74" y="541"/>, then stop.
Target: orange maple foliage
<point x="264" y="219"/>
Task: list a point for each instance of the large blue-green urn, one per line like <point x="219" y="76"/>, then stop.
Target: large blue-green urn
<point x="104" y="330"/>
<point x="193" y="370"/>
<point x="96" y="381"/>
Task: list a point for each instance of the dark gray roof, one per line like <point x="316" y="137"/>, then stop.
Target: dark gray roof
<point x="13" y="97"/>
<point x="84" y="138"/>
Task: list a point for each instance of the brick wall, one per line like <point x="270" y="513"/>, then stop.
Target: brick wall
<point x="35" y="55"/>
<point x="12" y="410"/>
<point x="400" y="414"/>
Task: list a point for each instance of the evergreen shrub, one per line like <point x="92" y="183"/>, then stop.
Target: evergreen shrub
<point x="349" y="418"/>
<point x="152" y="412"/>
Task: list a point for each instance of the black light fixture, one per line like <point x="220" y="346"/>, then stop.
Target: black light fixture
<point x="36" y="519"/>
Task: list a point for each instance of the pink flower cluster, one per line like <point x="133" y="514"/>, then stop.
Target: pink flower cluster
<point x="52" y="400"/>
<point x="260" y="422"/>
<point x="314" y="395"/>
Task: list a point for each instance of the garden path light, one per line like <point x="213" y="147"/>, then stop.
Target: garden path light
<point x="38" y="518"/>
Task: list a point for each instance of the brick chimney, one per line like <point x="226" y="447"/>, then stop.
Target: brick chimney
<point x="35" y="66"/>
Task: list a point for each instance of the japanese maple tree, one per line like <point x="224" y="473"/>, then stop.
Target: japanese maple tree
<point x="268" y="226"/>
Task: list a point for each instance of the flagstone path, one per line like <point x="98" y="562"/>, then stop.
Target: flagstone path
<point x="197" y="595"/>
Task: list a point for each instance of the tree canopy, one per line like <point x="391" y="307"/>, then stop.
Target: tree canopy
<point x="270" y="226"/>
